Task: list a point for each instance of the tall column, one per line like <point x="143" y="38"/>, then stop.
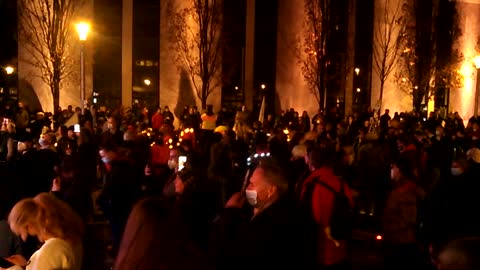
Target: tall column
<point x="249" y="54"/>
<point x="348" y="99"/>
<point x="127" y="48"/>
<point x="463" y="99"/>
<point x="292" y="90"/>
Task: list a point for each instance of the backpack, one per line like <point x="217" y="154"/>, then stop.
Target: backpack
<point x="341" y="219"/>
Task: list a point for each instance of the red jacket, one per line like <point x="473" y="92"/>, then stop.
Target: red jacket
<point x="329" y="252"/>
<point x="157" y="121"/>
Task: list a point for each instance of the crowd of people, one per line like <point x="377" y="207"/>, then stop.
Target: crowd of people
<point x="231" y="190"/>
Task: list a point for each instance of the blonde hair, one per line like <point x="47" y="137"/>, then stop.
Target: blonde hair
<point x="47" y="214"/>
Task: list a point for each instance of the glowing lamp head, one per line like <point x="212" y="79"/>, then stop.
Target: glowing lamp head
<point x="9" y="70"/>
<point x="147" y="82"/>
<point x="379" y="237"/>
<point x="476" y="61"/>
<point x="263" y="86"/>
<point x="191" y="130"/>
<point x="83" y="28"/>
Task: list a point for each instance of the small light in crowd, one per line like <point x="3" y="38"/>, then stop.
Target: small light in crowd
<point x="255" y="156"/>
<point x="268" y="154"/>
<point x="55" y="144"/>
<point x="152" y="144"/>
<point x="95" y="100"/>
<point x="148" y="134"/>
<point x="182" y="133"/>
<point x="180" y="139"/>
<point x="170" y="141"/>
<point x="379" y="237"/>
<point x="268" y="134"/>
<point x="357" y="71"/>
<point x="170" y="147"/>
<point x="178" y="144"/>
<point x="9" y="70"/>
<point x="286" y="131"/>
<point x="359" y="90"/>
<point x="263" y="86"/>
<point x="191" y="130"/>
<point x="248" y="159"/>
<point x="236" y="87"/>
<point x="147" y="82"/>
<point x="262" y="154"/>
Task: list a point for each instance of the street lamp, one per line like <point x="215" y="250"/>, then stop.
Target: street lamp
<point x="476" y="62"/>
<point x="82" y="28"/>
<point x="9" y="70"/>
<point x="357" y="71"/>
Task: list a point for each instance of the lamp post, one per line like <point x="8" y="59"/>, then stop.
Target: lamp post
<point x="476" y="62"/>
<point x="82" y="28"/>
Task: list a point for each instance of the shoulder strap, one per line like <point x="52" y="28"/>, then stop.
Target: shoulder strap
<point x="317" y="181"/>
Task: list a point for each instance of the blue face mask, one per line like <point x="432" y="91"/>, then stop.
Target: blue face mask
<point x="456" y="171"/>
<point x="106" y="160"/>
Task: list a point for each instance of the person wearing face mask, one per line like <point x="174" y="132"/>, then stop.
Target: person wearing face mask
<point x="121" y="189"/>
<point x="267" y="233"/>
<point x="449" y="207"/>
<point x="169" y="186"/>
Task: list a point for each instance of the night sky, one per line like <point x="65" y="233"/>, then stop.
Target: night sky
<point x="8" y="31"/>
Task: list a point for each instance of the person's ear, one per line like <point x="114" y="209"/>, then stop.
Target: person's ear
<point x="271" y="191"/>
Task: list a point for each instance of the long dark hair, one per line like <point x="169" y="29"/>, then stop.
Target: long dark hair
<point x="153" y="239"/>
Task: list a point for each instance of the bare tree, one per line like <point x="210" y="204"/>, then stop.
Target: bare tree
<point x="388" y="40"/>
<point x="418" y="58"/>
<point x="196" y="38"/>
<point x="311" y="48"/>
<point x="45" y="29"/>
<point x="428" y="61"/>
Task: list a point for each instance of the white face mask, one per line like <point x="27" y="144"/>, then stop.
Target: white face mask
<point x="42" y="142"/>
<point x="251" y="197"/>
<point x="456" y="171"/>
<point x="172" y="164"/>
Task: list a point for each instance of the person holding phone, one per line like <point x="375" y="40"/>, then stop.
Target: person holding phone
<point x="268" y="232"/>
<point x="56" y="225"/>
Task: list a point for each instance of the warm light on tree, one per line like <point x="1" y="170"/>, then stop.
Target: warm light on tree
<point x="311" y="48"/>
<point x="45" y="33"/>
<point x="195" y="33"/>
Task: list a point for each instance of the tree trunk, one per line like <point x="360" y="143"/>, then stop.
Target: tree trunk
<point x="56" y="85"/>
<point x="382" y="84"/>
<point x="204" y="96"/>
<point x="418" y="95"/>
<point x="322" y="85"/>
